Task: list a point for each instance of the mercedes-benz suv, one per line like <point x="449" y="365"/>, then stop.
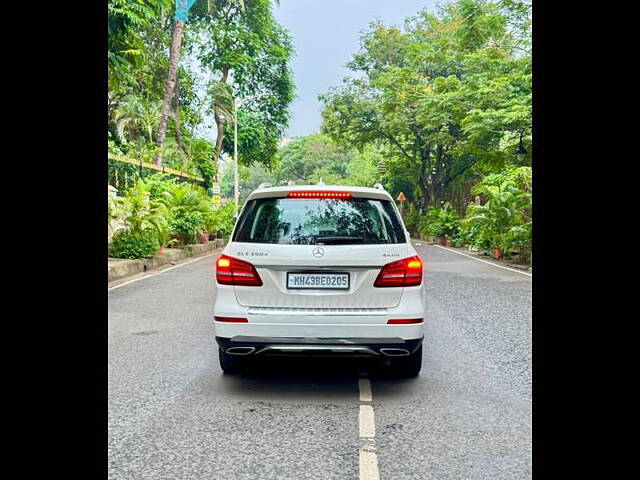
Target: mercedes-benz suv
<point x="320" y="270"/>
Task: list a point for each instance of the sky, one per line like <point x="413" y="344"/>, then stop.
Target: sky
<point x="326" y="34"/>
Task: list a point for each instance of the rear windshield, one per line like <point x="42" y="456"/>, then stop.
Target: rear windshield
<point x="311" y="221"/>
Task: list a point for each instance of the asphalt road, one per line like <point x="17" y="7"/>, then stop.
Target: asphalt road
<point x="174" y="415"/>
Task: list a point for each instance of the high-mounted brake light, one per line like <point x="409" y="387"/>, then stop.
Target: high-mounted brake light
<point x="402" y="273"/>
<point x="231" y="271"/>
<point x="319" y="195"/>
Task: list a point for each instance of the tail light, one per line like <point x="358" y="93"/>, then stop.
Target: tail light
<point x="231" y="271"/>
<point x="402" y="273"/>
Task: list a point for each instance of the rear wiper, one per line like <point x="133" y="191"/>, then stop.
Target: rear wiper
<point x="326" y="240"/>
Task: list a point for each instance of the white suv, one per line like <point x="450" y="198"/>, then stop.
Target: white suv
<point x="320" y="270"/>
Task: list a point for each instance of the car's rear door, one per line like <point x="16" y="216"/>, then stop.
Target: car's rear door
<point x="319" y="249"/>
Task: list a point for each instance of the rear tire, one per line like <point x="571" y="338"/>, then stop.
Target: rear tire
<point x="229" y="363"/>
<point x="408" y="366"/>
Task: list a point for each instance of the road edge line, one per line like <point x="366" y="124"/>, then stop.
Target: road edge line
<point x="484" y="261"/>
<point x="159" y="272"/>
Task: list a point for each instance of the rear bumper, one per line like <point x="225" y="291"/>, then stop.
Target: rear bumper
<point x="248" y="345"/>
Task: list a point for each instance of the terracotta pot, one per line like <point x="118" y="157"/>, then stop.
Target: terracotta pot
<point x="203" y="237"/>
<point x="497" y="253"/>
<point x="441" y="241"/>
<point x="160" y="251"/>
<point x="447" y="241"/>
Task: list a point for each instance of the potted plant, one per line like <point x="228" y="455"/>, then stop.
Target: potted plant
<point x="203" y="237"/>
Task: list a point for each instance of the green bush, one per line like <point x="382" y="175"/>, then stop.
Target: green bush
<point x="188" y="224"/>
<point x="189" y="206"/>
<point x="133" y="245"/>
<point x="220" y="220"/>
<point x="518" y="239"/>
<point x="440" y="222"/>
<point x="412" y="220"/>
<point x="144" y="213"/>
<point x="504" y="209"/>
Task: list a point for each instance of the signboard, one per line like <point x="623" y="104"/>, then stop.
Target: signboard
<point x="215" y="188"/>
<point x="216" y="199"/>
<point x="401" y="197"/>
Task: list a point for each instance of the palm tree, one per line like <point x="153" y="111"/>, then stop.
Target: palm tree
<point x="136" y="115"/>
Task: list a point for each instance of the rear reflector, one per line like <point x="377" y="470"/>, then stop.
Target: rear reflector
<point x="231" y="271"/>
<point x="402" y="273"/>
<point x="231" y="319"/>
<point x="319" y="195"/>
<point x="404" y="321"/>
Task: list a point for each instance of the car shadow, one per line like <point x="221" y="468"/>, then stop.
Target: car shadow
<point x="308" y="379"/>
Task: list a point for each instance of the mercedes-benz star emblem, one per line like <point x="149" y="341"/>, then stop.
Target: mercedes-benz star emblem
<point x="318" y="252"/>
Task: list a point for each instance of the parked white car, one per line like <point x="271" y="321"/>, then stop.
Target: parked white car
<point x="320" y="269"/>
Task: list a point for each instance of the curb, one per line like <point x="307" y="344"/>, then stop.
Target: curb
<point x="516" y="266"/>
<point x="120" y="268"/>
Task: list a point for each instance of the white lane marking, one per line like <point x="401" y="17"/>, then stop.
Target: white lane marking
<point x="483" y="261"/>
<point x="367" y="422"/>
<point x="368" y="465"/>
<point x="364" y="386"/>
<point x="153" y="274"/>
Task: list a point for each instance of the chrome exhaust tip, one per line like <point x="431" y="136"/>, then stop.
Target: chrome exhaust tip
<point x="394" y="352"/>
<point x="241" y="350"/>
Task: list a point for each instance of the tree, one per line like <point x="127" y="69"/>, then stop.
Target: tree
<point x="182" y="8"/>
<point x="445" y="100"/>
<point x="251" y="54"/>
<point x="312" y="158"/>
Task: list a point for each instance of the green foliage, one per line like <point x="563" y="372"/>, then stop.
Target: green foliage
<point x="412" y="219"/>
<point x="188" y="224"/>
<point x="245" y="40"/>
<point x="518" y="239"/>
<point x="126" y="244"/>
<point x="311" y="158"/>
<point x="188" y="207"/>
<point x="501" y="221"/>
<point x="446" y="98"/>
<point x="440" y="222"/>
<point x="143" y="214"/>
<point x="221" y="221"/>
<point x="314" y="158"/>
<point x="249" y="179"/>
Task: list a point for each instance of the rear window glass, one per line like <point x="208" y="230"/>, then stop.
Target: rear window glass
<point x="311" y="221"/>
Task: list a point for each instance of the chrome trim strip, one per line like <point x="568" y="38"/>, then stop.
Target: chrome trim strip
<point x="309" y="348"/>
<point x="318" y="311"/>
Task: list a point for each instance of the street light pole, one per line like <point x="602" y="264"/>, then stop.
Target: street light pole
<point x="236" y="193"/>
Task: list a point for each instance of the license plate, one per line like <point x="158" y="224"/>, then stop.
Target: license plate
<point x="318" y="281"/>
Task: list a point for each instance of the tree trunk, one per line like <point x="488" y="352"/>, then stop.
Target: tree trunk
<point x="219" y="122"/>
<point x="423" y="178"/>
<point x="174" y="58"/>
